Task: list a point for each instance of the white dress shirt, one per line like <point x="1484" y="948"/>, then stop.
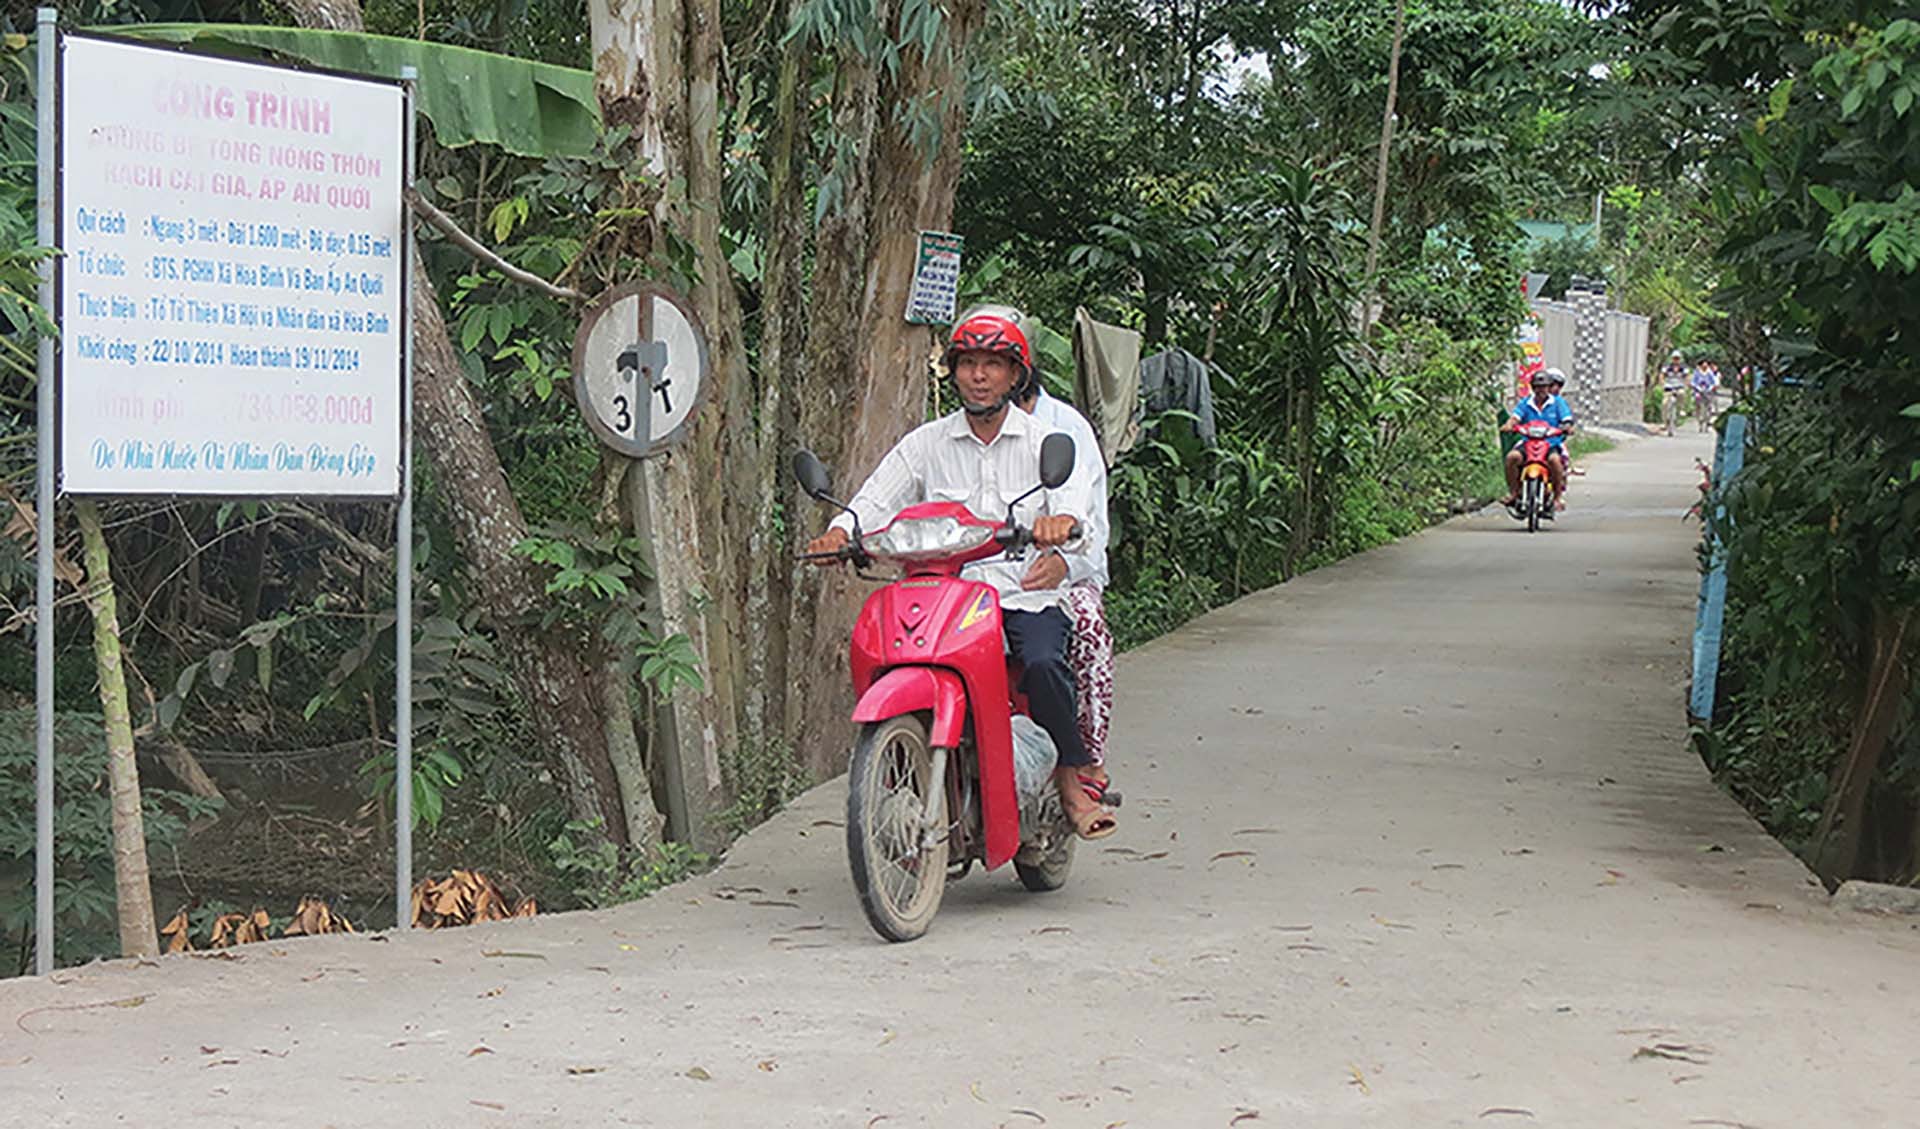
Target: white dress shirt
<point x="1089" y="562"/>
<point x="944" y="461"/>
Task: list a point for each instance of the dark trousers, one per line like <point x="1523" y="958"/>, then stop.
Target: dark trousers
<point x="1038" y="642"/>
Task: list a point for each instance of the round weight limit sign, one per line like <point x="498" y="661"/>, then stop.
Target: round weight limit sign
<point x="639" y="365"/>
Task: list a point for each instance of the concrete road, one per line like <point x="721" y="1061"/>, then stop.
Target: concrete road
<point x="1413" y="841"/>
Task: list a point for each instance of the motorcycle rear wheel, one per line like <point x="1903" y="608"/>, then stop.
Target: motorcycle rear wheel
<point x="1049" y="871"/>
<point x="899" y="875"/>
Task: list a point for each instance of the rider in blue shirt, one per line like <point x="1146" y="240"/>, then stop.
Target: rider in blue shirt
<point x="1545" y="406"/>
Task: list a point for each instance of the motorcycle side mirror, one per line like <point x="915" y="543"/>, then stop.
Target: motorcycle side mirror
<point x="812" y="475"/>
<point x="1056" y="460"/>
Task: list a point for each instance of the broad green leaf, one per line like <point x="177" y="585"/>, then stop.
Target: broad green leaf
<point x="473" y="329"/>
<point x="532" y="109"/>
<point x="220" y="667"/>
<point x="1827" y="198"/>
<point x="263" y="653"/>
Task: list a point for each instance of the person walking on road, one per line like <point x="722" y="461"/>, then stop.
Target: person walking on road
<point x="1673" y="385"/>
<point x="1706" y="381"/>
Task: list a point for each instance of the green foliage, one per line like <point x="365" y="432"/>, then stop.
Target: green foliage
<point x="83" y="893"/>
<point x="607" y="878"/>
<point x="528" y="108"/>
<point x="1560" y="259"/>
<point x="762" y="777"/>
<point x="1821" y="529"/>
<point x="435" y="774"/>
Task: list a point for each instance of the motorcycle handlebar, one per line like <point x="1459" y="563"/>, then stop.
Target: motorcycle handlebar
<point x="1019" y="537"/>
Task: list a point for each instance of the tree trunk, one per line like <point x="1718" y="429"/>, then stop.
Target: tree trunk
<point x="1380" y="174"/>
<point x="783" y="341"/>
<point x="186" y="768"/>
<point x="866" y="377"/>
<point x="133" y="894"/>
<point x="656" y="68"/>
<point x="552" y="668"/>
<point x="1841" y="834"/>
<point x="823" y="600"/>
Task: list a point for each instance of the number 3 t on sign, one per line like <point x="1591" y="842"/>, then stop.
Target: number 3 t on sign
<point x="639" y="366"/>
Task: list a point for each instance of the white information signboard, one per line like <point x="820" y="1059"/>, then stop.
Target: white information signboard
<point x="231" y="288"/>
<point x="639" y="361"/>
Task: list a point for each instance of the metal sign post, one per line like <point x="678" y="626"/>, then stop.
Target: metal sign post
<point x="43" y="552"/>
<point x="639" y="375"/>
<point x="403" y="566"/>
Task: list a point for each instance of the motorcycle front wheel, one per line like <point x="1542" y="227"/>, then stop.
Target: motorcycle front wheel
<point x="899" y="868"/>
<point x="1533" y="504"/>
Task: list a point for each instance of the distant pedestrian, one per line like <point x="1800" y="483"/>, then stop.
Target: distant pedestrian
<point x="1673" y="385"/>
<point x="1706" y="381"/>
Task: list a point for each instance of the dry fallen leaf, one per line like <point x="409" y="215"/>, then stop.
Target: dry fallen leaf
<point x="175" y="931"/>
<point x="485" y="1105"/>
<point x="482" y="1049"/>
<point x="699" y="1074"/>
<point x="1359" y="1079"/>
<point x="1509" y="1111"/>
<point x="1029" y="1113"/>
<point x="767" y="1065"/>
<point x="975" y="1091"/>
<point x="1232" y="855"/>
<point x="1245" y="1115"/>
<point x="1677" y="1052"/>
<point x="585" y="1069"/>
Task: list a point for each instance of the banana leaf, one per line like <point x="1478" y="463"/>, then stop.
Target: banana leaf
<point x="532" y="109"/>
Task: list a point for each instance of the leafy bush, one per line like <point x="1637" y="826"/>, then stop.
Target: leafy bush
<point x="606" y="877"/>
<point x="83" y="889"/>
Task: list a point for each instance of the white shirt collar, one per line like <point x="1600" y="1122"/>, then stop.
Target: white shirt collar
<point x="1017" y="424"/>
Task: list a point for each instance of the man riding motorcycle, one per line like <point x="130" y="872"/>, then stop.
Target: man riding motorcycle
<point x="986" y="455"/>
<point x="1544" y="406"/>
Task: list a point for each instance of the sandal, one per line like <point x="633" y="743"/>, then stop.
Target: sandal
<point x="1093" y="823"/>
<point x="1101" y="791"/>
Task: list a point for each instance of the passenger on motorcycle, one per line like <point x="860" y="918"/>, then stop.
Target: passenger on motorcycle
<point x="1546" y="406"/>
<point x="986" y="455"/>
<point x="1091" y="652"/>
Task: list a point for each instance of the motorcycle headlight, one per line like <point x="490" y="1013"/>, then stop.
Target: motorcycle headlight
<point x="927" y="538"/>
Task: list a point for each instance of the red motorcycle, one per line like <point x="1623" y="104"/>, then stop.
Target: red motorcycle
<point x="1537" y="496"/>
<point x="932" y="782"/>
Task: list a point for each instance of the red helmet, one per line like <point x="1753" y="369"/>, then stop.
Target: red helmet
<point x="992" y="329"/>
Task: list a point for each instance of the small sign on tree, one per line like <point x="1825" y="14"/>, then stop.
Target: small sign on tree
<point x="936" y="279"/>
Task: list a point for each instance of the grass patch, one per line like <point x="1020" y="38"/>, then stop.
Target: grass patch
<point x="1582" y="445"/>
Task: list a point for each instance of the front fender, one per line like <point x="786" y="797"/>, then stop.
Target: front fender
<point x="913" y="689"/>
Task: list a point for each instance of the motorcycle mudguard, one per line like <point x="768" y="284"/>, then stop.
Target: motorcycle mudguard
<point x="912" y="689"/>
